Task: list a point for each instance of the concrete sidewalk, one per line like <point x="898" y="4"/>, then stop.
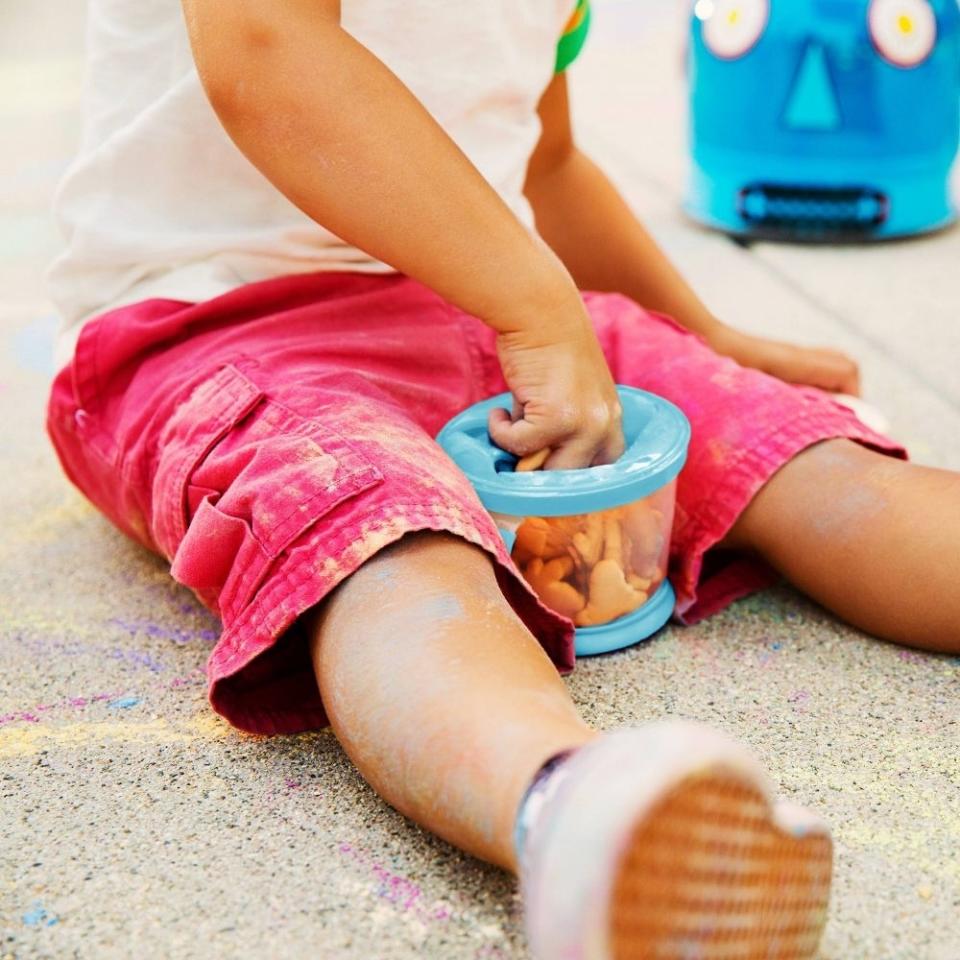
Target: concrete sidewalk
<point x="134" y="823"/>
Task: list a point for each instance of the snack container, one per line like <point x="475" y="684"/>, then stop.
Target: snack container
<point x="593" y="543"/>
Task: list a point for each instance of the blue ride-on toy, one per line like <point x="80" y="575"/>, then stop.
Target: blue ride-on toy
<point x="823" y="119"/>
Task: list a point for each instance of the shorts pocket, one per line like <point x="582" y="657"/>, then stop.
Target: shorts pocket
<point x="240" y="478"/>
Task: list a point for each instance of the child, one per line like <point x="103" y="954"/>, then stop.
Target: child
<point x="300" y="238"/>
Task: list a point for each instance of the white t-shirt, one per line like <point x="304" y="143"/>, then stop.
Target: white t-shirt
<point x="160" y="203"/>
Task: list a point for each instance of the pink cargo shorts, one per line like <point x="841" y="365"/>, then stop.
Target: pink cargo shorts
<point x="270" y="441"/>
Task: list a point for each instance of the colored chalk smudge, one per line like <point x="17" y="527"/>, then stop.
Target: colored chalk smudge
<point x="30" y="740"/>
<point x="179" y="635"/>
<point x="39" y="916"/>
<point x="403" y="893"/>
<point x="123" y="703"/>
<point x="77" y="648"/>
<point x="72" y="703"/>
<point x="114" y="700"/>
<point x="911" y="656"/>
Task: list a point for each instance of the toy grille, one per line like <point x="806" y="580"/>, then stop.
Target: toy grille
<point x="813" y="210"/>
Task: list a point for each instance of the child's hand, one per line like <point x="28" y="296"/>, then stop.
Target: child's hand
<point x="814" y="366"/>
<point x="564" y="396"/>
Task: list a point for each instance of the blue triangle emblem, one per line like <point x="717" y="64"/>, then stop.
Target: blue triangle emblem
<point x="813" y="103"/>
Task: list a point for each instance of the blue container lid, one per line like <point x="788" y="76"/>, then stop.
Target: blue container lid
<point x="656" y="433"/>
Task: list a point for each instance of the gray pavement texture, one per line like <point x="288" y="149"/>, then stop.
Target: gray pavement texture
<point x="135" y="823"/>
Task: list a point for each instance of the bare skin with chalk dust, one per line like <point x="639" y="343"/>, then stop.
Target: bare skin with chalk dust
<point x="438" y="693"/>
<point x="871" y="538"/>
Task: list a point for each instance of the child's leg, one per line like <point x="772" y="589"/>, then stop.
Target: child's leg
<point x="876" y="540"/>
<point x="439" y="694"/>
<point x="449" y="708"/>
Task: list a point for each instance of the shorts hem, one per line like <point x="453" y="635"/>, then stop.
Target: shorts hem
<point x="317" y="565"/>
<point x="741" y="482"/>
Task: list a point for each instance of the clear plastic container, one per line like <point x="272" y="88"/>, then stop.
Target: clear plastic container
<point x="595" y="567"/>
<point x="592" y="543"/>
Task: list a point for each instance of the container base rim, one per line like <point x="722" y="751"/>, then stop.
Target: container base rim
<point x="628" y="630"/>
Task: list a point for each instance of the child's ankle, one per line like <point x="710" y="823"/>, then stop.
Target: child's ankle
<point x="541" y="790"/>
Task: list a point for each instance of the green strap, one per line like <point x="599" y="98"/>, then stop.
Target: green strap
<point x="574" y="36"/>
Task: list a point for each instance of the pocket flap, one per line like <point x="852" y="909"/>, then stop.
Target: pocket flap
<point x="212" y="409"/>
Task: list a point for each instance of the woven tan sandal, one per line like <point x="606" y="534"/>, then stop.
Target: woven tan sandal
<point x="663" y="843"/>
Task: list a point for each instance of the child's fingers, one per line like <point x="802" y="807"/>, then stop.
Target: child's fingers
<point x="833" y="372"/>
<point x="847" y="373"/>
<point x="522" y="438"/>
<point x="611" y="451"/>
<point x="572" y="456"/>
<point x="825" y="368"/>
<point x="519" y="437"/>
<point x="569" y="449"/>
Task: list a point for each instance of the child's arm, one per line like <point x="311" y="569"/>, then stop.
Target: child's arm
<point x="591" y="228"/>
<point x="338" y="133"/>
